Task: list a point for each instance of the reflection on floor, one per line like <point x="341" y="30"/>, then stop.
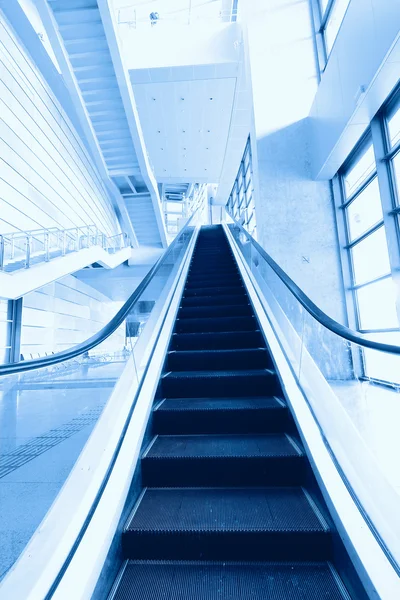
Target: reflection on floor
<point x="375" y="411"/>
<point x="43" y="429"/>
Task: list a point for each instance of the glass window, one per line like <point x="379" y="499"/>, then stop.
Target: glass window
<point x="334" y="22"/>
<point x="174" y="207"/>
<point x="371" y="257"/>
<point x="365" y="210"/>
<point x="396" y="174"/>
<point x="323" y="5"/>
<point x="362" y="169"/>
<point x="377" y="305"/>
<point x="244" y="209"/>
<point x="393" y="123"/>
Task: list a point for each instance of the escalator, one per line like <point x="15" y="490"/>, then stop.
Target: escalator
<point x="223" y="464"/>
<point x="229" y="506"/>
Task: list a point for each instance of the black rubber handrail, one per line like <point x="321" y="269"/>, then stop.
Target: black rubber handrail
<point x="341" y="330"/>
<point x="105" y="332"/>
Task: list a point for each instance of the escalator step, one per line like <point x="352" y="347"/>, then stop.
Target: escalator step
<point x="155" y="580"/>
<point x="223" y="460"/>
<point x="209" y="324"/>
<point x="220" y="415"/>
<point x="198" y="360"/>
<point x="277" y="523"/>
<point x="192" y="384"/>
<point x="232" y="310"/>
<point x="211" y="291"/>
<point x="238" y="298"/>
<point x="221" y="281"/>
<point x="223" y="340"/>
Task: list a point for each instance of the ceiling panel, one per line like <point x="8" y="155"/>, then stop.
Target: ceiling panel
<point x="186" y="126"/>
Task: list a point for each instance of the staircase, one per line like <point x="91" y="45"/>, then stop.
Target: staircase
<point x="227" y="509"/>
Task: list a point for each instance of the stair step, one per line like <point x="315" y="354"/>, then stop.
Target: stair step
<point x="223" y="460"/>
<point x="220" y="415"/>
<point x="226" y="524"/>
<point x="197" y="360"/>
<point x="211" y="324"/>
<point x="206" y="282"/>
<point x="211" y="291"/>
<point x="223" y="340"/>
<point x="198" y="580"/>
<point x="223" y="300"/>
<point x="232" y="310"/>
<point x="192" y="384"/>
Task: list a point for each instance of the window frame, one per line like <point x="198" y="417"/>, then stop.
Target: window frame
<point x="377" y="134"/>
<point x="321" y="19"/>
<point x="243" y="189"/>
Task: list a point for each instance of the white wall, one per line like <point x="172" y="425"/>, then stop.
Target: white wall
<point x="295" y="216"/>
<point x="172" y="46"/>
<point x="62" y="314"/>
<point x="46" y="175"/>
<point x="366" y="53"/>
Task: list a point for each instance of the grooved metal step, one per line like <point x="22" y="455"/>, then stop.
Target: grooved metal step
<point x="211" y="291"/>
<point x="223" y="340"/>
<point x="208" y="324"/>
<point x="244" y="358"/>
<point x="232" y="310"/>
<point x="220" y="415"/>
<point x="276" y="523"/>
<point x="192" y="384"/>
<point x="201" y="580"/>
<point x="224" y="300"/>
<point x="223" y="460"/>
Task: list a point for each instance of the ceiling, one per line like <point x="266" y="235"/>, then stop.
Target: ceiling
<point x="185" y="114"/>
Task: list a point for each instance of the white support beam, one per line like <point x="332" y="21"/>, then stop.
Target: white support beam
<point x="132" y="115"/>
<point x="61" y="54"/>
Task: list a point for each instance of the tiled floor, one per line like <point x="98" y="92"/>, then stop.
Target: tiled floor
<point x="61" y="413"/>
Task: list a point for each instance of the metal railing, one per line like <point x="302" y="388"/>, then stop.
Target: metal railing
<point x="319" y="315"/>
<point x="20" y="250"/>
<point x="107" y="330"/>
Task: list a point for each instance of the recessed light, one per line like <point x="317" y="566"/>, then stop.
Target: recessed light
<point x="205" y="169"/>
<point x="211" y="98"/>
<point x="158" y="131"/>
<point x="206" y="148"/>
<point x="182" y="98"/>
<point x="161" y="148"/>
<point x="184" y="148"/>
<point x="154" y="99"/>
<point x="208" y="130"/>
<point x="183" y="131"/>
<point x="185" y="169"/>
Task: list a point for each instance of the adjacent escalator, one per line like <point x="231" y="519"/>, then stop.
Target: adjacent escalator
<point x="228" y="507"/>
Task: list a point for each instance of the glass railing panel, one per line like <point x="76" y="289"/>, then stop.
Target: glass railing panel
<point x="353" y="393"/>
<point x="48" y="414"/>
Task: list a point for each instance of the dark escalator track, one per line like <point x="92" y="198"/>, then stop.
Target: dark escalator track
<point x="226" y="511"/>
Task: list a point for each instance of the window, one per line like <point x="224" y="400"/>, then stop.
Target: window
<point x="370" y="188"/>
<point x="241" y="203"/>
<point x="328" y="17"/>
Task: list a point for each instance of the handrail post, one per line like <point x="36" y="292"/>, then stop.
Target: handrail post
<point x="46" y="247"/>
<point x="77" y="240"/>
<point x="12" y="247"/>
<point x="88" y="237"/>
<point x="28" y="252"/>
<point x="2" y="250"/>
<point x="64" y="243"/>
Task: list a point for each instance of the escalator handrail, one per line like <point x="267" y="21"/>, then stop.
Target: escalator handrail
<point x="106" y="331"/>
<point x="341" y="330"/>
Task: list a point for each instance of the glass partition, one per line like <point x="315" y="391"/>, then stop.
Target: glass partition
<point x="48" y="414"/>
<point x="358" y="417"/>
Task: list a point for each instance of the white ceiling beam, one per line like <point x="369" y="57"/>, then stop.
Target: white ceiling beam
<point x="132" y="116"/>
<point x="49" y="22"/>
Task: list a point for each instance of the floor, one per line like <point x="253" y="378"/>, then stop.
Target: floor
<point x="375" y="411"/>
<point x="42" y="433"/>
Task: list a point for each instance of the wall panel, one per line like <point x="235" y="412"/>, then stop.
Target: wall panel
<point x="47" y="178"/>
